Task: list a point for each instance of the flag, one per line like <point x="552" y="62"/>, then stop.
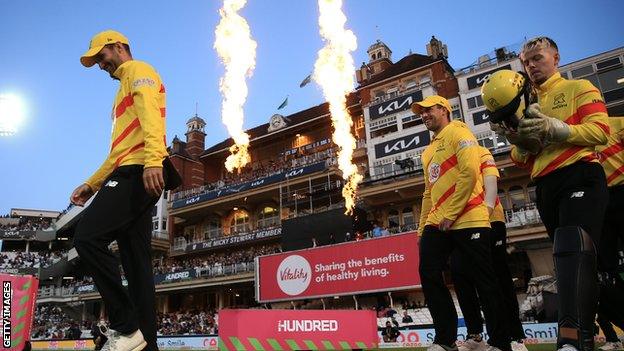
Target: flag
<point x="283" y="104"/>
<point x="305" y="82"/>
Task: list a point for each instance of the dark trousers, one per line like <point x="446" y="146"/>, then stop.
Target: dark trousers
<point x="613" y="231"/>
<point x="467" y="293"/>
<point x="611" y="303"/>
<point x="121" y="211"/>
<point x="575" y="195"/>
<point x="473" y="244"/>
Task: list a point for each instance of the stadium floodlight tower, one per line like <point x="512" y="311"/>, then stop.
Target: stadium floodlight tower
<point x="11" y="113"/>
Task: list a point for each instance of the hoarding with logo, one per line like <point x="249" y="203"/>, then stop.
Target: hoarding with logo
<point x="478" y="80"/>
<point x="207" y="342"/>
<point x="536" y="333"/>
<point x="379" y="264"/>
<point x="395" y="105"/>
<point x="406" y="143"/>
<point x="297" y="329"/>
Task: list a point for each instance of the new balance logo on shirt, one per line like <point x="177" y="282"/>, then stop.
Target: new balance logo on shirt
<point x="578" y="194"/>
<point x="111" y="183"/>
<point x="475" y="236"/>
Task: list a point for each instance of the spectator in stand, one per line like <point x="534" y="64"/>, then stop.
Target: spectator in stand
<point x="390" y="333"/>
<point x="332" y="239"/>
<point x="406" y="318"/>
<point x="377" y="231"/>
<point x="385" y="232"/>
<point x="348" y="237"/>
<point x="73" y="333"/>
<point x="98" y="331"/>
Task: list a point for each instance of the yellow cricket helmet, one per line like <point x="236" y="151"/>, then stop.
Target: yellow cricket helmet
<point x="506" y="95"/>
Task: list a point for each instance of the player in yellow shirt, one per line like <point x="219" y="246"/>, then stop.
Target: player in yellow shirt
<point x="465" y="287"/>
<point x="454" y="216"/>
<point x="611" y="304"/>
<point x="130" y="182"/>
<point x="568" y="121"/>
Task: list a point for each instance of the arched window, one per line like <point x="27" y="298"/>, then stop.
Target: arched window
<point x="393" y="218"/>
<point x="212" y="229"/>
<point x="239" y="223"/>
<point x="408" y="216"/>
<point x="268" y="217"/>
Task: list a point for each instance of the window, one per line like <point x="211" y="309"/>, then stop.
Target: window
<point x="608" y="79"/>
<point x="614" y="61"/>
<point x="486" y="142"/>
<point x="359" y="122"/>
<point x="475" y="101"/>
<point x="410" y="84"/>
<point x="384" y="131"/>
<point x="408" y="216"/>
<point x="240" y="222"/>
<point x="456" y="115"/>
<point x="616" y="110"/>
<point x="393" y="218"/>
<point x="164" y="225"/>
<point x="594" y="80"/>
<point x="268" y="217"/>
<point x="189" y="233"/>
<point x="386" y="169"/>
<point x="213" y="229"/>
<point x="583" y="71"/>
<point x="155" y="225"/>
<point x="516" y="194"/>
<point x="411" y="121"/>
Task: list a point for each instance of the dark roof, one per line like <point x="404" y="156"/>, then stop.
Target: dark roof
<point x="291" y="120"/>
<point x="182" y="152"/>
<point x="405" y="64"/>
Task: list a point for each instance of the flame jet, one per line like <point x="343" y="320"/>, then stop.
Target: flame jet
<point x="237" y="50"/>
<point x="333" y="71"/>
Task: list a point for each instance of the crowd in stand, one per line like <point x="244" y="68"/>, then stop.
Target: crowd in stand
<point x="219" y="259"/>
<point x="30" y="259"/>
<point x="51" y="323"/>
<point x="28" y="223"/>
<point x="187" y="323"/>
<point x="259" y="170"/>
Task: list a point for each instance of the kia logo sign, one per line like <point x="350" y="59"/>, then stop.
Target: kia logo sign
<point x="399" y="145"/>
<point x="479" y="79"/>
<point x="393" y="106"/>
<point x="480" y="117"/>
<point x="294" y="275"/>
<point x="192" y="200"/>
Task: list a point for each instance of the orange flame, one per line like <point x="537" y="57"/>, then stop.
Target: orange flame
<point x="238" y="52"/>
<point x="333" y="71"/>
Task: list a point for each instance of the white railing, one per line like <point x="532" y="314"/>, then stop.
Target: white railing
<point x="521" y="217"/>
